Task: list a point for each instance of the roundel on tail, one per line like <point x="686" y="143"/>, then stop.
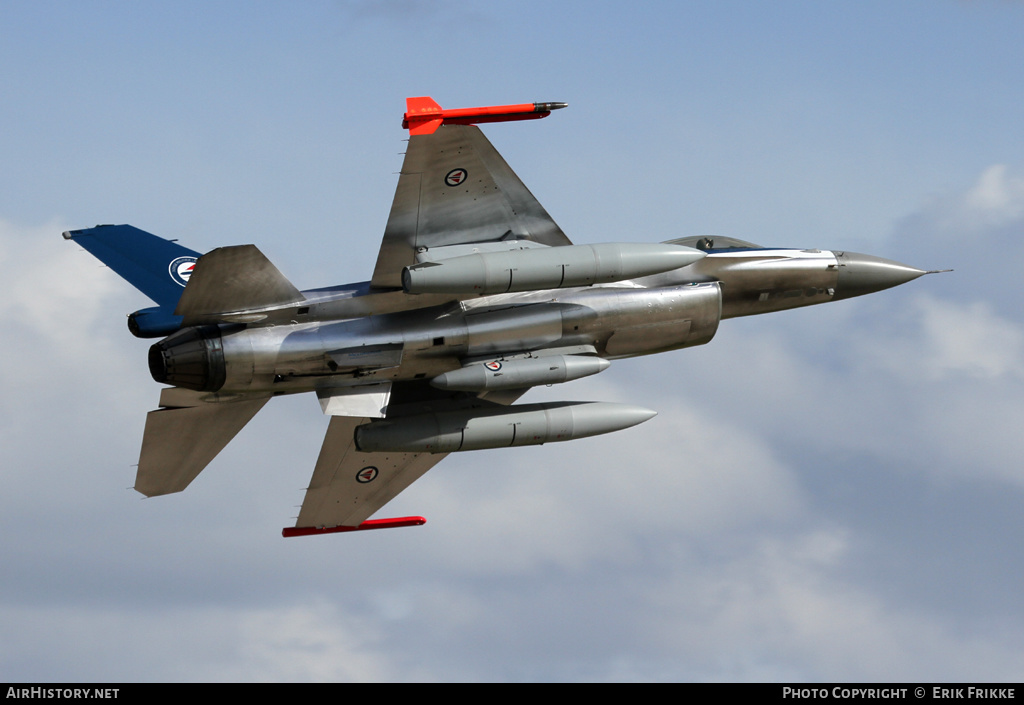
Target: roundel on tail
<point x="180" y="269"/>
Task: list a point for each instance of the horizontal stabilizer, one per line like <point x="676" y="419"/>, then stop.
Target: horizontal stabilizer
<point x="231" y="280"/>
<point x="184" y="435"/>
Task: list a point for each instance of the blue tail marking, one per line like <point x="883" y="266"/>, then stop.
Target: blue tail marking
<point x="157" y="267"/>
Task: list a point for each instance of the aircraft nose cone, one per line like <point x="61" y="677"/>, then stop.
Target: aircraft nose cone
<point x="865" y="274"/>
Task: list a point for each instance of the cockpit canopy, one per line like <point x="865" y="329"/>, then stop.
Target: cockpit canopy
<point x="713" y="242"/>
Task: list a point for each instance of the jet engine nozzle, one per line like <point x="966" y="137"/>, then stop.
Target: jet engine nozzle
<point x="192" y="358"/>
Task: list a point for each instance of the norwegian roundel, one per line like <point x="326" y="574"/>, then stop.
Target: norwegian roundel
<point x="455" y="177"/>
<point x="367" y="474"/>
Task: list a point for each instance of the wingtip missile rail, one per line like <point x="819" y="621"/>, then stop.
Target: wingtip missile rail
<point x="367" y="525"/>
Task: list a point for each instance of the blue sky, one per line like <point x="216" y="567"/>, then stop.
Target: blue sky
<point x="826" y="494"/>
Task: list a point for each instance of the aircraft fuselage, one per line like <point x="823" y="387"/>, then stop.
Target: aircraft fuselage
<point x="333" y="342"/>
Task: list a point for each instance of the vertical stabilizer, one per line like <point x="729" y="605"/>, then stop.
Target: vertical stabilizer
<point x="157" y="267"/>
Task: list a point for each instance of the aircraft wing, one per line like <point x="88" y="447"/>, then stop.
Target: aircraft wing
<point x="348" y="485"/>
<point x="455" y="189"/>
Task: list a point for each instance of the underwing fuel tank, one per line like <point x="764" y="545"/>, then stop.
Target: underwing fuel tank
<point x="539" y="268"/>
<point x="497" y="427"/>
<point x="520" y="372"/>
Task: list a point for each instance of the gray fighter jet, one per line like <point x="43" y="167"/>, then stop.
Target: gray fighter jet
<point x="476" y="297"/>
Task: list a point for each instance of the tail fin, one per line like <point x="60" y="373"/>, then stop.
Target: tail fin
<point x="158" y="268"/>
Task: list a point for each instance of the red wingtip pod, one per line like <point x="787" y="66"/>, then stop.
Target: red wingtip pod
<point x="365" y="526"/>
<point x="423" y="115"/>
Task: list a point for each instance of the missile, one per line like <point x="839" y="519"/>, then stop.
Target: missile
<point x="545" y="268"/>
<point x="497" y="427"/>
<point x="423" y="115"/>
<point x="520" y="372"/>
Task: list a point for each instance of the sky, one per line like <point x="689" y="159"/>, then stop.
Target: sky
<point x="826" y="494"/>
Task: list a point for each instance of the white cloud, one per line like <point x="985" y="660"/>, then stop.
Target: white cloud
<point x="54" y="287"/>
<point x="979" y="214"/>
<point x="788" y="608"/>
<point x="63" y="314"/>
<point x="995" y="199"/>
<point x="314" y="641"/>
<point x="683" y="473"/>
<point x="942" y="340"/>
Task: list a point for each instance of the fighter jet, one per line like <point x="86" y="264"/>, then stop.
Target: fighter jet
<point x="477" y="296"/>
